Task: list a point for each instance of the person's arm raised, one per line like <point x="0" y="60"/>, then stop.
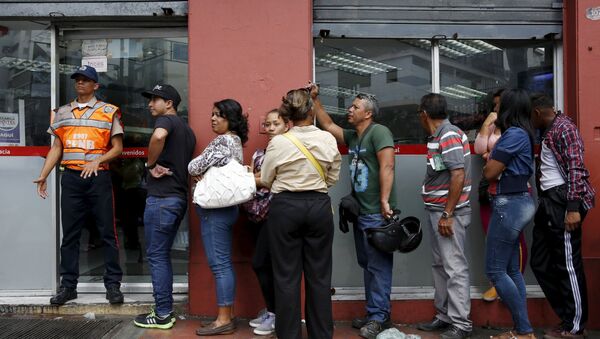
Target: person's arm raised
<point x="323" y="118"/>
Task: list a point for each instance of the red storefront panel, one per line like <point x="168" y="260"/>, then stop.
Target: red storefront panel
<point x="254" y="52"/>
<point x="582" y="76"/>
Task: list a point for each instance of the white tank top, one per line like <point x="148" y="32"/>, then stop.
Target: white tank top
<point x="551" y="176"/>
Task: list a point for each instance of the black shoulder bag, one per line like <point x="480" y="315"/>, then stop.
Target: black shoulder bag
<point x="349" y="208"/>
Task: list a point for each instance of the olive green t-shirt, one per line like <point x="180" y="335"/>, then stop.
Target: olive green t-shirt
<point x="366" y="184"/>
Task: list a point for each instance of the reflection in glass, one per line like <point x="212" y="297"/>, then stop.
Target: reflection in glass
<point x="472" y="70"/>
<point x="24" y="83"/>
<point x="132" y="66"/>
<point x="397" y="72"/>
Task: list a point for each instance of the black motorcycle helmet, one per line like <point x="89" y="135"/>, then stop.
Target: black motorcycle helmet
<point x="411" y="226"/>
<point x="396" y="235"/>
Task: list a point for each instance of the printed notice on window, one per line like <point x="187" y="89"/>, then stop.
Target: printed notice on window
<point x="96" y="47"/>
<point x="10" y="133"/>
<point x="100" y="63"/>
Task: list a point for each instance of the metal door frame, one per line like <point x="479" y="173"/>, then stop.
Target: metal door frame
<point x="64" y="32"/>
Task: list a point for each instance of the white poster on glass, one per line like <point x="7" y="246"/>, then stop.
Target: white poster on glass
<point x="100" y="63"/>
<point x="10" y="130"/>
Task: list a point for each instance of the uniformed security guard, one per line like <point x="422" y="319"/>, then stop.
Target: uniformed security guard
<point x="88" y="135"/>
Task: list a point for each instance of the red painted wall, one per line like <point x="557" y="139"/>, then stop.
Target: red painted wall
<point x="254" y="52"/>
<point x="582" y="76"/>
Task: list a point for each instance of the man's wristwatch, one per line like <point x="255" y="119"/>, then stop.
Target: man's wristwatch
<point x="446" y="215"/>
<point x="150" y="166"/>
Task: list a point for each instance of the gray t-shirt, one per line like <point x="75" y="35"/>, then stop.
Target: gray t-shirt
<point x="447" y="149"/>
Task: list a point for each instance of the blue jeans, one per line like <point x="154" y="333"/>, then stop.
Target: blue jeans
<point x="162" y="217"/>
<point x="510" y="215"/>
<point x="377" y="269"/>
<point x="216" y="227"/>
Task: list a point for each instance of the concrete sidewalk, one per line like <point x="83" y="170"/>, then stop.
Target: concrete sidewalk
<point x="343" y="330"/>
<point x="186" y="328"/>
<point x="95" y="306"/>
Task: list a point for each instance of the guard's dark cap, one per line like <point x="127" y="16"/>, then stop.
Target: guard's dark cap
<point x="87" y="71"/>
<point x="164" y="91"/>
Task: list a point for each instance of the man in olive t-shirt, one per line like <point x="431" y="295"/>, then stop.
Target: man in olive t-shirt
<point x="372" y="177"/>
<point x="364" y="176"/>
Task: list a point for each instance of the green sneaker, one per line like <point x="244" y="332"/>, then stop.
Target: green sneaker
<point x="151" y="320"/>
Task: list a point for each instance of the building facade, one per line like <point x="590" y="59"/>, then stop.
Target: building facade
<point x="255" y="52"/>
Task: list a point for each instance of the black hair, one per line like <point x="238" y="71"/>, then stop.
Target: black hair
<point x="238" y="121"/>
<point x="498" y="92"/>
<point x="515" y="111"/>
<point x="541" y="100"/>
<point x="434" y="105"/>
<point x="296" y="105"/>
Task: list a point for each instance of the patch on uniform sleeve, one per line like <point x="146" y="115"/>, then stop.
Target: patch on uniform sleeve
<point x="108" y="109"/>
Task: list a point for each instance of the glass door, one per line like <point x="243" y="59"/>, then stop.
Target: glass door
<point x="128" y="61"/>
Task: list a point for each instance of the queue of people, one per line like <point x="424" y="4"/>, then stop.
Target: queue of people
<point x="294" y="173"/>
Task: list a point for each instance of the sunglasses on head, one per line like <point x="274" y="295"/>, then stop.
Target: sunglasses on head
<point x="305" y="89"/>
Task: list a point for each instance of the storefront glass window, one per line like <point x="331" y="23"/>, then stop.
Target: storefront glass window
<point x="132" y="66"/>
<point x="24" y="83"/>
<point x="397" y="72"/>
<point x="472" y="70"/>
<point x="126" y="67"/>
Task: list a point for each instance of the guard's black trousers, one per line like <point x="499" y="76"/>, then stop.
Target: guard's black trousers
<point x="556" y="260"/>
<point x="300" y="226"/>
<point x="79" y="198"/>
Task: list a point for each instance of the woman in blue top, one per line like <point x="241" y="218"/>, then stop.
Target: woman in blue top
<point x="511" y="165"/>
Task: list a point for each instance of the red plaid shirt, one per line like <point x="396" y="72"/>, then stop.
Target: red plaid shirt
<point x="564" y="140"/>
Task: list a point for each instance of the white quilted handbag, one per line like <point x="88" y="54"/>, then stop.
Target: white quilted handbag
<point x="225" y="186"/>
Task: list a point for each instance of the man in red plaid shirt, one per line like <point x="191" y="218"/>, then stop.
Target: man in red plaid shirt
<point x="565" y="196"/>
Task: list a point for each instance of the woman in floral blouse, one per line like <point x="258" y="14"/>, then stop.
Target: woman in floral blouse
<point x="231" y="127"/>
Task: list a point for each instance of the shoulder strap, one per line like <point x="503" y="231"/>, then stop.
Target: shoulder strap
<point x="306" y="152"/>
<point x="363" y="136"/>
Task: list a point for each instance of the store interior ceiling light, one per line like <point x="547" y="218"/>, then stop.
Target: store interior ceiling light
<point x="353" y="63"/>
<point x="452" y="95"/>
<point x="470" y="90"/>
<point x="457" y="48"/>
<point x="468" y="47"/>
<point x="335" y="91"/>
<point x="449" y="52"/>
<point x="461" y="92"/>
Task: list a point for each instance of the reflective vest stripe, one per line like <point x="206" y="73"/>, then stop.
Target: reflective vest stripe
<point x="86" y="138"/>
<point x="91" y="111"/>
<point x="80" y="156"/>
<point x="82" y="123"/>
